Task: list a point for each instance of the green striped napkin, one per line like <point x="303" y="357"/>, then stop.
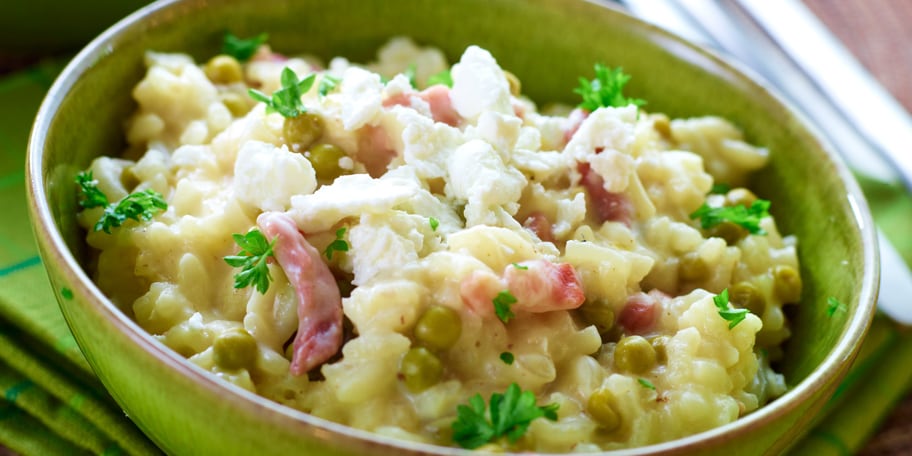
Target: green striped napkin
<point x="52" y="404"/>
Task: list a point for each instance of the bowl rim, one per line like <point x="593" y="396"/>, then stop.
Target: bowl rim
<point x="56" y="251"/>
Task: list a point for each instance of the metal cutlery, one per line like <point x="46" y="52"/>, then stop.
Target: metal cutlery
<point x="783" y="42"/>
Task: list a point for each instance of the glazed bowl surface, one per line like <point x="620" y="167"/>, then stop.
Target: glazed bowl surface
<point x="547" y="44"/>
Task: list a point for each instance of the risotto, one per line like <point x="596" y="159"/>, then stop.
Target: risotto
<point x="414" y="249"/>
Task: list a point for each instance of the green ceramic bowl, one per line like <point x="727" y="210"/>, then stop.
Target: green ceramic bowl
<point x="548" y="44"/>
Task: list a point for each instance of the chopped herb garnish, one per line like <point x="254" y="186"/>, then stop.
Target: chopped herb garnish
<point x="139" y="206"/>
<point x="410" y="74"/>
<point x="833" y="306"/>
<point x="242" y="49"/>
<point x="606" y="89"/>
<point x="434" y="223"/>
<point x="746" y="217"/>
<point x="338" y="245"/>
<point x="502" y="303"/>
<point x="720" y="189"/>
<point x="91" y="195"/>
<point x="255" y="249"/>
<point x="442" y="78"/>
<point x="287" y="100"/>
<point x="507" y="357"/>
<point x="510" y="416"/>
<point x="732" y="316"/>
<point x="327" y="84"/>
<point x="520" y="267"/>
<point x="646" y="383"/>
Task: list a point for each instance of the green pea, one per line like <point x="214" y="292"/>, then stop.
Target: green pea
<point x="236" y="104"/>
<point x="693" y="267"/>
<point x="603" y="409"/>
<point x="235" y="349"/>
<point x="747" y="296"/>
<point x="662" y="124"/>
<point x="303" y="130"/>
<point x="420" y="369"/>
<point x="439" y="327"/>
<point x="325" y="161"/>
<point x="515" y="85"/>
<point x="787" y="283"/>
<point x="223" y="69"/>
<point x="599" y="314"/>
<point x="634" y="354"/>
<point x="731" y="232"/>
<point x="660" y="345"/>
<point x="740" y="196"/>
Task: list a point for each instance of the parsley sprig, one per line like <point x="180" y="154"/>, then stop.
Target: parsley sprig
<point x="92" y="196"/>
<point x="327" y="84"/>
<point x="646" y="384"/>
<point x="252" y="259"/>
<point x="747" y="217"/>
<point x="337" y="245"/>
<point x="502" y="303"/>
<point x="442" y="78"/>
<point x="139" y="206"/>
<point x="507" y="358"/>
<point x="732" y="316"/>
<point x="510" y="416"/>
<point x="833" y="306"/>
<point x="287" y="100"/>
<point x="242" y="49"/>
<point x="606" y="89"/>
<point x="411" y="75"/>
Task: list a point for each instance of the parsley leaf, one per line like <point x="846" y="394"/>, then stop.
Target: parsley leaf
<point x="502" y="303"/>
<point x="833" y="306"/>
<point x="327" y="84"/>
<point x="434" y="223"/>
<point x="720" y="189"/>
<point x="287" y="100"/>
<point x="510" y="416"/>
<point x="255" y="249"/>
<point x="520" y="267"/>
<point x="606" y="89"/>
<point x="646" y="383"/>
<point x="732" y="316"/>
<point x="242" y="49"/>
<point x="139" y="206"/>
<point x="410" y="74"/>
<point x="747" y="217"/>
<point x="91" y="195"/>
<point x="507" y="357"/>
<point x="338" y="245"/>
<point x="442" y="78"/>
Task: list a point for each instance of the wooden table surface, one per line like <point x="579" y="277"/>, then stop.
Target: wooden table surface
<point x="879" y="33"/>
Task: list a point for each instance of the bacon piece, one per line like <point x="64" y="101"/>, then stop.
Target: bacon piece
<point x="538" y="286"/>
<point x="543" y="286"/>
<point x="374" y="150"/>
<point x="478" y="290"/>
<point x="639" y="313"/>
<point x="438" y="99"/>
<point x="539" y="224"/>
<point x="574" y="120"/>
<point x="399" y="99"/>
<point x="319" y="334"/>
<point x="265" y="54"/>
<point x="611" y="206"/>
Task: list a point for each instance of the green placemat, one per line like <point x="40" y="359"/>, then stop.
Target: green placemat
<point x="52" y="403"/>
